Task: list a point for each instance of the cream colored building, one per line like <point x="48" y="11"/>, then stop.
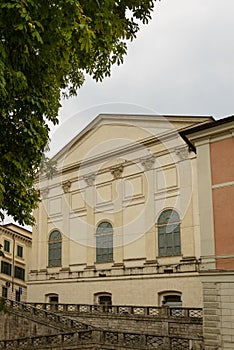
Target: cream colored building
<point x="16" y="243"/>
<point x="118" y="223"/>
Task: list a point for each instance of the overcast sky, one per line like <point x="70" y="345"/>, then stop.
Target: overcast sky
<point x="181" y="63"/>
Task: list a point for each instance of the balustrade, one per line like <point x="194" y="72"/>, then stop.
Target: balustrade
<point x="153" y="311"/>
<point x="126" y="339"/>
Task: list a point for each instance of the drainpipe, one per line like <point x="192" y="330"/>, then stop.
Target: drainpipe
<point x="13" y="265"/>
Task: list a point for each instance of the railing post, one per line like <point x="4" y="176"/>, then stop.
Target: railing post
<point x="186" y="312"/>
<point x="97" y="336"/>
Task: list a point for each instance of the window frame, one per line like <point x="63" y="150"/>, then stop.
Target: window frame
<point x="104" y="242"/>
<point x="17" y="251"/>
<point x="164" y="295"/>
<point x="4" y="292"/>
<point x="6" y="242"/>
<point x="4" y="266"/>
<point x="19" y="273"/>
<point x="55" y="249"/>
<point x="169" y="233"/>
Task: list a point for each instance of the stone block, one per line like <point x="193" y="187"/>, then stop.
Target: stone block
<point x="210" y="292"/>
<point x="210" y="298"/>
<point x="209" y="330"/>
<point x="212" y="305"/>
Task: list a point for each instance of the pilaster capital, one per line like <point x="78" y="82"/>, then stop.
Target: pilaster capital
<point x="148" y="162"/>
<point x="89" y="179"/>
<point x="116" y="171"/>
<point x="182" y="152"/>
<point x="66" y="186"/>
<point x="44" y="192"/>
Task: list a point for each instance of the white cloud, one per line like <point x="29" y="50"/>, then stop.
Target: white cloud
<point x="181" y="63"/>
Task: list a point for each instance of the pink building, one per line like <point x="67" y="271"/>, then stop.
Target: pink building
<point x="214" y="145"/>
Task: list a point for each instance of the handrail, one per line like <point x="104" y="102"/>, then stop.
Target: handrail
<point x="134" y="339"/>
<point x="46" y="315"/>
<point x="154" y="311"/>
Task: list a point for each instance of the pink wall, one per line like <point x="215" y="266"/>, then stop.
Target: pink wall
<point x="222" y="161"/>
<point x="222" y="167"/>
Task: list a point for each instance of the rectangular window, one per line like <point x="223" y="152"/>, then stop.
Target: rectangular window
<point x="19" y="273"/>
<point x="19" y="251"/>
<point x="4" y="292"/>
<point x="6" y="246"/>
<point x="104" y="248"/>
<point x="6" y="268"/>
<point x="17" y="295"/>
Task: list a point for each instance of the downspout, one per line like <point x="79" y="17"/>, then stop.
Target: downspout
<point x="13" y="265"/>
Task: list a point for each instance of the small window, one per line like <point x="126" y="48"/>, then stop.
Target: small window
<point x="104" y="300"/>
<point x="53" y="299"/>
<point x="19" y="251"/>
<point x="104" y="242"/>
<point x="55" y="249"/>
<point x="6" y="246"/>
<point x="169" y="233"/>
<point x="19" y="273"/>
<point x="4" y="292"/>
<point x="6" y="268"/>
<point x="17" y="295"/>
<point x="172" y="300"/>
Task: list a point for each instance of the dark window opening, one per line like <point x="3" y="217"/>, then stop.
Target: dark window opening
<point x="104" y="242"/>
<point x="19" y="251"/>
<point x="169" y="233"/>
<point x="6" y="246"/>
<point x="19" y="273"/>
<point x="6" y="268"/>
<point x="55" y="249"/>
<point x="106" y="302"/>
<point x="17" y="295"/>
<point x="172" y="300"/>
<point x="4" y="292"/>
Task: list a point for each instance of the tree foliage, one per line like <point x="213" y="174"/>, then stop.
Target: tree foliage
<point x="46" y="47"/>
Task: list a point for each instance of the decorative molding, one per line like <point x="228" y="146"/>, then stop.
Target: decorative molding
<point x="89" y="179"/>
<point x="147" y="162"/>
<point x="66" y="186"/>
<point x="116" y="171"/>
<point x="224" y="184"/>
<point x="44" y="193"/>
<point x="182" y="152"/>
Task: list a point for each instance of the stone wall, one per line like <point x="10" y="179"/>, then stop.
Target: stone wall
<point x="218" y="296"/>
<point x="14" y="326"/>
<point x="26" y="326"/>
<point x="164" y="326"/>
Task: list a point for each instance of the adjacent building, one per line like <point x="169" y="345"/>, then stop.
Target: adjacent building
<point x="119" y="221"/>
<point x="16" y="244"/>
<point x="214" y="146"/>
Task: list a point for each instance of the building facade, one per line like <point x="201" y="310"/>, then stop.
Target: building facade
<point x="118" y="222"/>
<point x="16" y="243"/>
<point x="214" y="145"/>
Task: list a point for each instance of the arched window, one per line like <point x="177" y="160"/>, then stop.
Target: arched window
<point x="169" y="233"/>
<point x="104" y="299"/>
<point x="104" y="242"/>
<point x="170" y="298"/>
<point x="55" y="249"/>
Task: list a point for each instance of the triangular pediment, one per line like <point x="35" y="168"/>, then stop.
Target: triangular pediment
<point x="108" y="133"/>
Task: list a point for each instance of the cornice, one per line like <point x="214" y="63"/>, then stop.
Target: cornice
<point x="76" y="166"/>
<point x="15" y="234"/>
